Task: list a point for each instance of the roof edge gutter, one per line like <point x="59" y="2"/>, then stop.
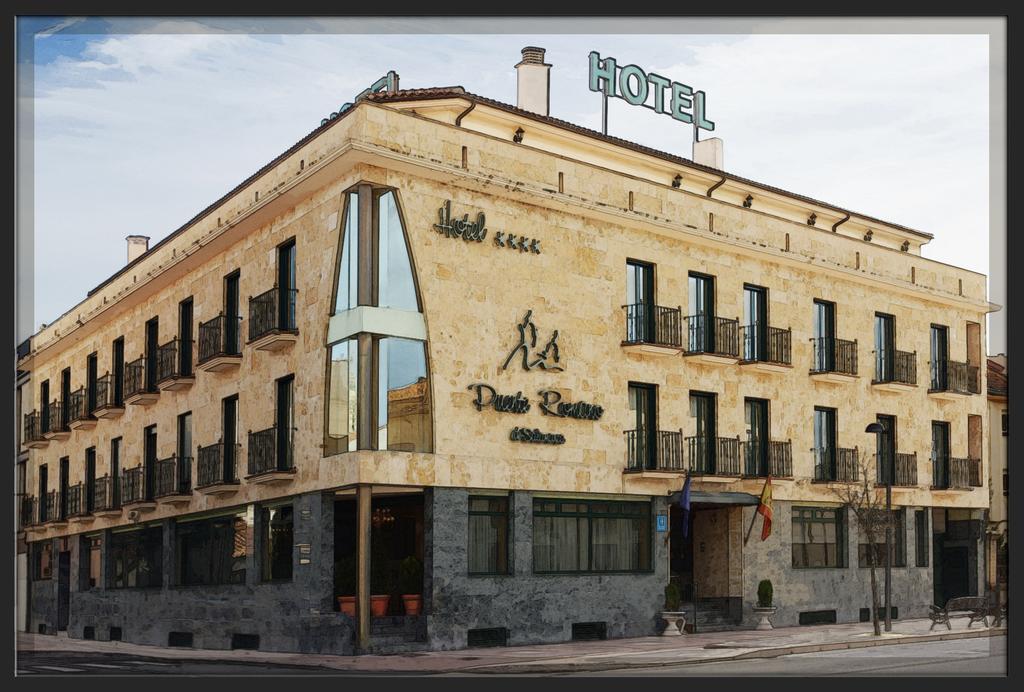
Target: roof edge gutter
<point x="463" y="114"/>
<point x="716" y="186"/>
<point x="840" y="222"/>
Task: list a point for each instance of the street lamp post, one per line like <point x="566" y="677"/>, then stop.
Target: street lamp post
<point x="878" y="429"/>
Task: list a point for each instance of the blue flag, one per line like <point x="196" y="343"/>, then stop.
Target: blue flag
<point x="684" y="504"/>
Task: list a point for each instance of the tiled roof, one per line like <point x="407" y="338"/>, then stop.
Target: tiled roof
<point x="998" y="380"/>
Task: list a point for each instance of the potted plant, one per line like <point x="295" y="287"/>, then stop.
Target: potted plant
<point x="764" y="608"/>
<point x="410" y="580"/>
<point x="345" y="584"/>
<point x="675" y="619"/>
<point x="381" y="583"/>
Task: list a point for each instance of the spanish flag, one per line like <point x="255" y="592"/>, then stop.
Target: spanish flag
<point x="764" y="508"/>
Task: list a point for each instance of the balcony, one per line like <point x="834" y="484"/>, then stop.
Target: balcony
<point x="33" y="437"/>
<point x="833" y="360"/>
<point x="105" y="501"/>
<point x="653" y="329"/>
<point x="895" y="371"/>
<point x="953" y="380"/>
<point x="763" y="458"/>
<point x="136" y="390"/>
<point x="108" y="404"/>
<point x="28" y="516"/>
<point x="79" y="415"/>
<point x="836" y="465"/>
<point x="134" y="493"/>
<point x="56" y="508"/>
<point x="174" y="366"/>
<point x="766" y="349"/>
<point x="216" y="474"/>
<point x="712" y="340"/>
<point x="173" y="480"/>
<point x="57" y="423"/>
<point x="654" y="452"/>
<point x="270" y="462"/>
<point x="272" y="319"/>
<point x="903" y="470"/>
<point x="219" y="344"/>
<point x="713" y="456"/>
<point x="954" y="473"/>
<point x="78" y="504"/>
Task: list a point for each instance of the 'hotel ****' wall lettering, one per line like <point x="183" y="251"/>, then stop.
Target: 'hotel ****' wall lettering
<point x="454" y="227"/>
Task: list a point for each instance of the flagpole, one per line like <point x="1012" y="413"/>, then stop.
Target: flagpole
<point x="752" y="520"/>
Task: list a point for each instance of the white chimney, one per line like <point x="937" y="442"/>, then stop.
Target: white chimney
<point x="138" y="245"/>
<point x="709" y="152"/>
<point x="534" y="80"/>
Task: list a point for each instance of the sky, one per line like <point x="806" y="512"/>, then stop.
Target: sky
<point x="136" y="125"/>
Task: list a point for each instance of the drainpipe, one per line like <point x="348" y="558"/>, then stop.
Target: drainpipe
<point x="716" y="186"/>
<point x="839" y="223"/>
<point x="463" y="114"/>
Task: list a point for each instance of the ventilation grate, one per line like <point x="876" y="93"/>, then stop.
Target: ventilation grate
<point x="818" y="617"/>
<point x="245" y="641"/>
<point x="865" y="614"/>
<point x="179" y="639"/>
<point x="487" y="636"/>
<point x="588" y="631"/>
<point x="89" y="632"/>
<point x="115" y="634"/>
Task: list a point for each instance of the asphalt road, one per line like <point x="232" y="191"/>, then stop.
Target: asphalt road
<point x="970" y="657"/>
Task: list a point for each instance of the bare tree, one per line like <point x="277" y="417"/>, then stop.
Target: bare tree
<point x="866" y="501"/>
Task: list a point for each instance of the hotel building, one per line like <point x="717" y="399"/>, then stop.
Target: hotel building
<point x="434" y="378"/>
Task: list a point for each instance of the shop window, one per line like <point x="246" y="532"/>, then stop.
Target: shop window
<point x="137" y="556"/>
<point x="42" y="560"/>
<point x="212" y="551"/>
<point x="342" y="382"/>
<point x="278" y="539"/>
<point x="818" y="537"/>
<point x="93" y="545"/>
<point x="899" y="548"/>
<point x="488" y="535"/>
<point x="403" y="413"/>
<point x="589" y="536"/>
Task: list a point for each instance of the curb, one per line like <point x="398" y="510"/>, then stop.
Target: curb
<point x="776" y="652"/>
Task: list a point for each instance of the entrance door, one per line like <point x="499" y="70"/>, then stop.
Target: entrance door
<point x="63" y="589"/>
<point x="955" y="572"/>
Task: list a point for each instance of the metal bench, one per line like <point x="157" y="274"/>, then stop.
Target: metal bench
<point x="977" y="608"/>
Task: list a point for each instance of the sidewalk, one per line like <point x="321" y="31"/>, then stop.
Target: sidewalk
<point x="611" y="654"/>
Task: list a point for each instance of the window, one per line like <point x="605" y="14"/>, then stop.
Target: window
<point x="185" y="336"/>
<point x="702" y="447"/>
<point x="755" y="321"/>
<point x="93" y="546"/>
<point x="44" y="482"/>
<point x="91" y="375"/>
<point x="939" y="356"/>
<point x="940" y="455"/>
<point x="211" y="551"/>
<point x="899" y="552"/>
<point x="755" y="455"/>
<point x="885" y="347"/>
<point x="137" y="556"/>
<point x="488" y="535"/>
<point x="825" y="444"/>
<point x="824" y="336"/>
<point x="44" y="401"/>
<point x="231" y="313"/>
<point x="149" y="459"/>
<point x="1006" y="423"/>
<point x="277" y="526"/>
<point x="229" y="436"/>
<point x="152" y="352"/>
<point x="640" y="320"/>
<point x="65" y="397"/>
<point x="346" y="293"/>
<point x="1006" y="484"/>
<point x="42" y="560"/>
<point x="885" y="449"/>
<point x="284" y="420"/>
<point x="922" y="537"/>
<point x="701" y="321"/>
<point x="90" y="479"/>
<point x="403" y="415"/>
<point x="286" y="285"/>
<point x="342" y="380"/>
<point x="642" y="439"/>
<point x="394" y="270"/>
<point x="65" y="481"/>
<point x="115" y="471"/>
<point x="117" y="368"/>
<point x="591" y="536"/>
<point x="818" y="537"/>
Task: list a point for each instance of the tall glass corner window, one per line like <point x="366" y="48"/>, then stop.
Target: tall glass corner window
<point x="342" y="395"/>
<point x="346" y="296"/>
<point x="403" y="406"/>
<point x="397" y="288"/>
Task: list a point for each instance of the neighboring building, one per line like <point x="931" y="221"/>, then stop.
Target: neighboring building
<point x="22" y="403"/>
<point x="997" y="545"/>
<point x="436" y="349"/>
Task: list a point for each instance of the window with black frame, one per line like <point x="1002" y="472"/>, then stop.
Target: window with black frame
<point x="488" y="535"/>
<point x="42" y="560"/>
<point x="922" y="537"/>
<point x="137" y="557"/>
<point x="899" y="544"/>
<point x="818" y="537"/>
<point x="93" y="549"/>
<point x="591" y="536"/>
<point x="278" y="536"/>
<point x="640" y="306"/>
<point x="211" y="551"/>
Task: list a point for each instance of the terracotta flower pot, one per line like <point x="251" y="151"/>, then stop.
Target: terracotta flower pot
<point x="379" y="605"/>
<point x="347" y="605"/>
<point x="413" y="603"/>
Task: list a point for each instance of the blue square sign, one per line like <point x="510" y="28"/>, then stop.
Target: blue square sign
<point x="662" y="523"/>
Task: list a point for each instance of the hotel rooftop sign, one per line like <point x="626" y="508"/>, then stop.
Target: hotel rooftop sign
<point x="636" y="87"/>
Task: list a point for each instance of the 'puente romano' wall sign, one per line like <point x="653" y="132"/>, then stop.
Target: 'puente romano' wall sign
<point x="526" y="354"/>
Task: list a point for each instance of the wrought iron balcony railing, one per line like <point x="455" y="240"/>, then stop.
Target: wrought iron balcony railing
<point x="106" y="393"/>
<point x="653" y="324"/>
<point x="654" y="450"/>
<point x="56" y="507"/>
<point x="58" y="417"/>
<point x="105" y="495"/>
<point x="78" y="406"/>
<point x="764" y="344"/>
<point x="171" y="362"/>
<point x="767" y="457"/>
<point x="265" y="455"/>
<point x="954" y="376"/>
<point x="33" y="428"/>
<point x="834" y="355"/>
<point x="216" y="464"/>
<point x="77" y="505"/>
<point x="173" y="476"/>
<point x="712" y="335"/>
<point x="273" y="311"/>
<point x="135" y="378"/>
<point x="902" y="469"/>
<point x="133" y="485"/>
<point x="713" y="456"/>
<point x="840" y="464"/>
<point x="29" y="511"/>
<point x="219" y="337"/>
<point x="895" y="366"/>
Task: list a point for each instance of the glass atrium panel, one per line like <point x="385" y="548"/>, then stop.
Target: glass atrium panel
<point x="346" y="297"/>
<point x="403" y="407"/>
<point x="394" y="270"/>
<point x="342" y="378"/>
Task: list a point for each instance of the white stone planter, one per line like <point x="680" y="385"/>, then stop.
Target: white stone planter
<point x="675" y="623"/>
<point x="764" y="614"/>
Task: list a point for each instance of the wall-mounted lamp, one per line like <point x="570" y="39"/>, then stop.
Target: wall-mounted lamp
<point x="518" y="136"/>
<point x="905" y="246"/>
<point x="812" y="219"/>
<point x="867" y="236"/>
<point x="748" y="202"/>
<point x="677" y="181"/>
